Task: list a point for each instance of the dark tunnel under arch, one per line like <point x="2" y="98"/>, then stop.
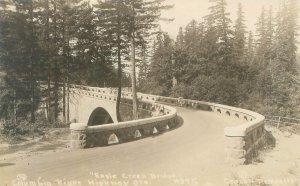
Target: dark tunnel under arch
<point x="99" y="117"/>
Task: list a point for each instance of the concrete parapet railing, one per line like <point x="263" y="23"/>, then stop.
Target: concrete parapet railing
<point x="84" y="136"/>
<point x="242" y="141"/>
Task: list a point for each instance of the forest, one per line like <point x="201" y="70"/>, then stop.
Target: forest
<point x="215" y="59"/>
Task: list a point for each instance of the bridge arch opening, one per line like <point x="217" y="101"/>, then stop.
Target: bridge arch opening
<point x="99" y="117"/>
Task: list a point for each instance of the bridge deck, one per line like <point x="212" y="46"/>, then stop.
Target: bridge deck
<point x="195" y="150"/>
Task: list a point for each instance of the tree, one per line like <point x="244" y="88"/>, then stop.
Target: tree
<point x="214" y="63"/>
<point x="111" y="16"/>
<point x="239" y="38"/>
<point x="50" y="41"/>
<point x="179" y="38"/>
<point x="261" y="38"/>
<point x="250" y="49"/>
<point x="269" y="36"/>
<point x="20" y="56"/>
<point x="143" y="67"/>
<point x="159" y="79"/>
<point x="283" y="66"/>
<point x="222" y="22"/>
<point x="142" y="18"/>
<point x="193" y="38"/>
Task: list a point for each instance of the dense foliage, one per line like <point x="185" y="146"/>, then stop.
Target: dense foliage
<point x="217" y="60"/>
<point x="47" y="45"/>
<point x="59" y="43"/>
<point x="62" y="42"/>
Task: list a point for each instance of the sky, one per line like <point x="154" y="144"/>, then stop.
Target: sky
<point x="186" y="10"/>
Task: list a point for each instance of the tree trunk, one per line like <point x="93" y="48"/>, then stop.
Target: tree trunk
<point x="119" y="88"/>
<point x="32" y="87"/>
<point x="49" y="93"/>
<point x="64" y="69"/>
<point x="64" y="100"/>
<point x="68" y="101"/>
<point x="56" y="79"/>
<point x="133" y="78"/>
<point x="48" y="66"/>
<point x="14" y="107"/>
<point x="32" y="66"/>
<point x="67" y="81"/>
<point x="56" y="73"/>
<point x="119" y="79"/>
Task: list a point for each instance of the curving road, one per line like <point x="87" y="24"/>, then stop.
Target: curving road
<point x="193" y="154"/>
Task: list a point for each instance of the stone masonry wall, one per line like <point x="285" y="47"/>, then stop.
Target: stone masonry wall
<point x="243" y="149"/>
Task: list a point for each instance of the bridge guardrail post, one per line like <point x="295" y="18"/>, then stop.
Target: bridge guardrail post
<point x="78" y="135"/>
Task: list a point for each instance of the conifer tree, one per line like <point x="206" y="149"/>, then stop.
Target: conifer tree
<point x="239" y="39"/>
<point x="193" y="37"/>
<point x="20" y="57"/>
<point x="111" y="17"/>
<point x="161" y="63"/>
<point x="283" y="66"/>
<point x="250" y="49"/>
<point x="180" y="38"/>
<point x="269" y="36"/>
<point x="221" y="22"/>
<point x="261" y="38"/>
<point x="141" y="20"/>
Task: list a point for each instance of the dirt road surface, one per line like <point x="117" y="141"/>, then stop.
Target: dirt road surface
<point x="193" y="154"/>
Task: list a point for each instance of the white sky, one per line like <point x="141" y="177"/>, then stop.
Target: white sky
<point x="186" y="10"/>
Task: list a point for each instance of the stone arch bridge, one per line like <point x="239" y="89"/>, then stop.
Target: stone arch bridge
<point x="176" y="141"/>
<point x="93" y="112"/>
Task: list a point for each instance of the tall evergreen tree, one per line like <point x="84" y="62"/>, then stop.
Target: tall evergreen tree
<point x="180" y="38"/>
<point x="161" y="63"/>
<point x="283" y="66"/>
<point x="20" y="59"/>
<point x="239" y="39"/>
<point x="111" y="16"/>
<point x="193" y="37"/>
<point x="261" y="38"/>
<point x="250" y="49"/>
<point x="269" y="36"/>
<point x="222" y="22"/>
<point x="142" y="18"/>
